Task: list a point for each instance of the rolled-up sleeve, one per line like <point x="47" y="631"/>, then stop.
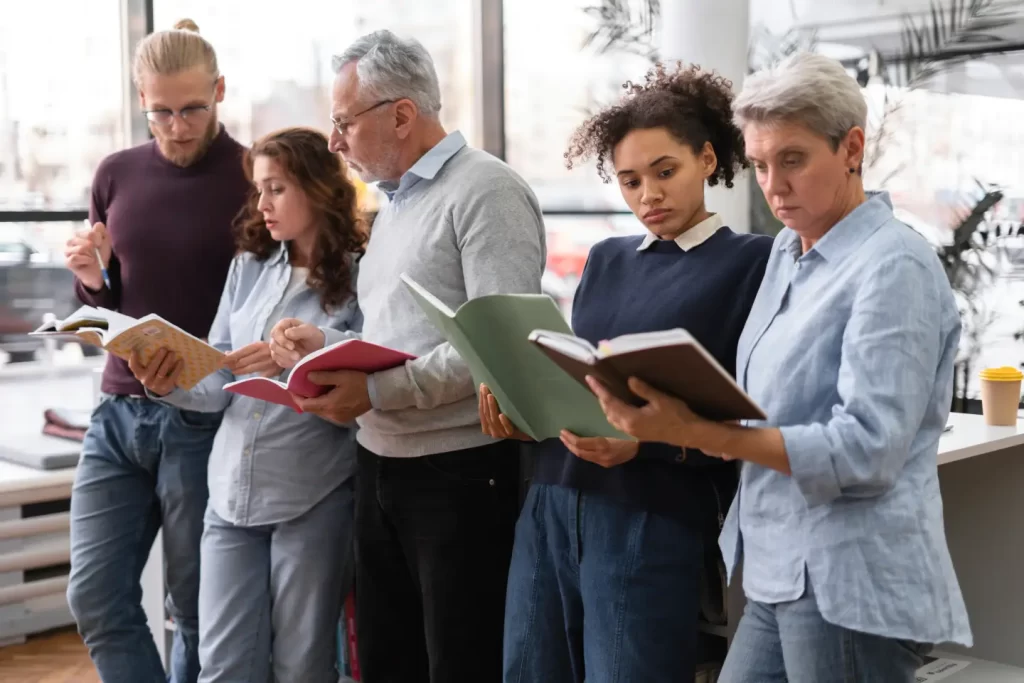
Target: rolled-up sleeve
<point x="888" y="360"/>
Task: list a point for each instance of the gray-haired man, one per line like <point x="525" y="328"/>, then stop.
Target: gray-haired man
<point x="436" y="500"/>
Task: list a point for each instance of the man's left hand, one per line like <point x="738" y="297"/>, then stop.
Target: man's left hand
<point x="345" y="402"/>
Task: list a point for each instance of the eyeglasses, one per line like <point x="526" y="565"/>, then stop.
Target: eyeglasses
<point x="164" y="117"/>
<point x="342" y="126"/>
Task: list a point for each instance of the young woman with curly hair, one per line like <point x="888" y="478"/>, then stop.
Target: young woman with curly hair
<point x="278" y="526"/>
<point x="611" y="544"/>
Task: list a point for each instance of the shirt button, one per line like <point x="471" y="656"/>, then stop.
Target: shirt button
<point x="256" y="416"/>
<point x="247" y="451"/>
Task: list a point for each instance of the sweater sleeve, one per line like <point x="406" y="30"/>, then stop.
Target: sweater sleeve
<point x="103" y="297"/>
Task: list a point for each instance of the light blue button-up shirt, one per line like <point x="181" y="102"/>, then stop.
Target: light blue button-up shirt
<point x="268" y="464"/>
<point x="849" y="349"/>
<point x="426" y="167"/>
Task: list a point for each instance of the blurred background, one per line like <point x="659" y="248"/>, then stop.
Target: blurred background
<point x="944" y="80"/>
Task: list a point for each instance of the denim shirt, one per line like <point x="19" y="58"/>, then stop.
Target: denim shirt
<point x="268" y="464"/>
<point x="849" y="349"/>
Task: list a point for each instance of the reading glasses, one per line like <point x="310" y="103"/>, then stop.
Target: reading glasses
<point x="342" y="126"/>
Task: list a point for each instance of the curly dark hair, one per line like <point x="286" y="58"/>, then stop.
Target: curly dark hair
<point x="304" y="156"/>
<point x="694" y="106"/>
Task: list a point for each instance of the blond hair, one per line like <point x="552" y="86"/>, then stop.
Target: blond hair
<point x="174" y="51"/>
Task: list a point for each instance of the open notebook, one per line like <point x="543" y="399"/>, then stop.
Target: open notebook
<point x="490" y="333"/>
<point x="120" y="334"/>
<point x="671" y="361"/>
<point x="350" y="354"/>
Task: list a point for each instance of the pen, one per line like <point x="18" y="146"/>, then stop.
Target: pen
<point x="99" y="259"/>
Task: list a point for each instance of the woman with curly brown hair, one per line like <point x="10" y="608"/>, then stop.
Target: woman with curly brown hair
<point x="610" y="546"/>
<point x="278" y="526"/>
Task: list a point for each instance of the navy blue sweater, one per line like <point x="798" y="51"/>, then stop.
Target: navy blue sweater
<point x="708" y="291"/>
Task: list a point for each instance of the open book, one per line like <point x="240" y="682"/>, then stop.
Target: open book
<point x="491" y="334"/>
<point x="120" y="334"/>
<point x="350" y="354"/>
<point x="671" y="361"/>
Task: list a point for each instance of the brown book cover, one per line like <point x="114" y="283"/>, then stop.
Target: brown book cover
<point x="680" y="367"/>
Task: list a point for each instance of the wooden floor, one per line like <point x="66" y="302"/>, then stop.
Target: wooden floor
<point x="54" y="657"/>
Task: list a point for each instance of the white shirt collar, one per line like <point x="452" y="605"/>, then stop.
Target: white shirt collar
<point x="693" y="237"/>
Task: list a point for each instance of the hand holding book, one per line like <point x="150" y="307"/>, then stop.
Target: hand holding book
<point x="662" y="418"/>
<point x="161" y="374"/>
<point x="493" y="422"/>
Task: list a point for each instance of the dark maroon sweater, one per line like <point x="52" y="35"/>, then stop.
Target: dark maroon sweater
<point x="170" y="229"/>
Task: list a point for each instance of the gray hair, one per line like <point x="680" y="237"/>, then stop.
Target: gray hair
<point x="805" y="88"/>
<point x="391" y="68"/>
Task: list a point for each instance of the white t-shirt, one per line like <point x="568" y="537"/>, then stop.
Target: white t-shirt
<point x="295" y="284"/>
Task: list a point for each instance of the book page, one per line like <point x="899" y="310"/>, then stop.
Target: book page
<point x="645" y="340"/>
<point x="571" y="346"/>
<point x="86" y="316"/>
<point x="149" y="335"/>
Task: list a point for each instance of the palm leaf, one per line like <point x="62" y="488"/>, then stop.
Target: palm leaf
<point x="624" y="26"/>
<point x="929" y="45"/>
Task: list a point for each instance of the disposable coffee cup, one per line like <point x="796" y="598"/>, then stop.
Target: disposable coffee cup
<point x="1000" y="395"/>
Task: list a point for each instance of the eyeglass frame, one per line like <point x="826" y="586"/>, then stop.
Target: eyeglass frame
<point x="185" y="113"/>
<point x="340" y="127"/>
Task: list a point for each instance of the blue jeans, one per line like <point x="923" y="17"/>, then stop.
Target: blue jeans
<point x="143" y="466"/>
<point x="600" y="591"/>
<point x="270" y="596"/>
<point x="792" y="643"/>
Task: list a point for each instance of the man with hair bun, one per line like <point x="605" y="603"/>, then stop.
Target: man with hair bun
<point x="161" y="216"/>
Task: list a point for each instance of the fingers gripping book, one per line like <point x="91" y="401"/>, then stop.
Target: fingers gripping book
<point x="121" y="334"/>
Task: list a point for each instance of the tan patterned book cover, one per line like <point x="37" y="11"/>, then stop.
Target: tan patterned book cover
<point x="120" y="334"/>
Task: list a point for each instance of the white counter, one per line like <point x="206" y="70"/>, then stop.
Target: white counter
<point x="20" y="485"/>
<point x="971" y="437"/>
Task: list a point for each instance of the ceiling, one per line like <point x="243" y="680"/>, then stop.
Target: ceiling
<point x="848" y="29"/>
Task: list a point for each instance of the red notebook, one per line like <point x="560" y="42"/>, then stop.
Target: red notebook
<point x="351" y="354"/>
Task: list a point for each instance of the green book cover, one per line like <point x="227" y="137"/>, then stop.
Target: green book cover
<point x="491" y="333"/>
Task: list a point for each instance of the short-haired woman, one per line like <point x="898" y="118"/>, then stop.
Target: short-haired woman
<point x="278" y="529"/>
<point x="849" y="349"/>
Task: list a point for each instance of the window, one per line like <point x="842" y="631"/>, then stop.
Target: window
<point x="569" y="240"/>
<point x="552" y="84"/>
<point x="276" y="59"/>
<point x="61" y="105"/>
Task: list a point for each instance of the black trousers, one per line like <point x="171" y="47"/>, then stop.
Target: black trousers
<point x="433" y="541"/>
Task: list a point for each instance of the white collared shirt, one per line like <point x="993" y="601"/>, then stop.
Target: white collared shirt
<point x="693" y="237"/>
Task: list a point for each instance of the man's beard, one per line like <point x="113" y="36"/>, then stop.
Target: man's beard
<point x="384" y="167"/>
<point x="182" y="158"/>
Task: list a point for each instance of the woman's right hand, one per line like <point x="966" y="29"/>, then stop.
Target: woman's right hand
<point x="291" y="340"/>
<point x="493" y="421"/>
<point x="160" y="376"/>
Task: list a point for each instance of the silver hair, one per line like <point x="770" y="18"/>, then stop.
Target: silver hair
<point x="805" y="88"/>
<point x="392" y="68"/>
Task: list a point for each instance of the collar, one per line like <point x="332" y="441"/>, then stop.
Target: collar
<point x="694" y="237"/>
<point x="279" y="256"/>
<point x="427" y="166"/>
<point x="845" y="236"/>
